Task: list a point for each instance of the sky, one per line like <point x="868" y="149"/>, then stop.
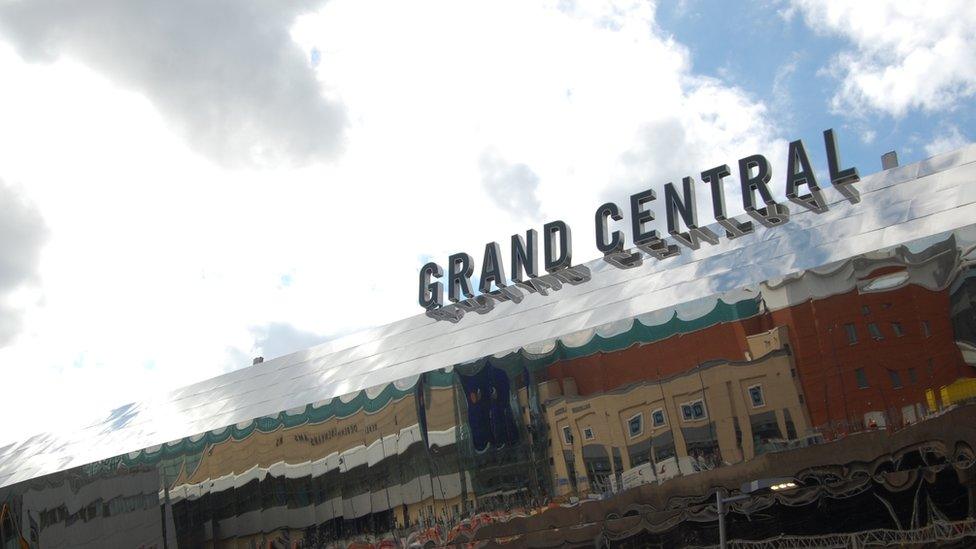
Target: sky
<point x="186" y="185"/>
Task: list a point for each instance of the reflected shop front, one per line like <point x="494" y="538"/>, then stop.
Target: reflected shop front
<point x="837" y="350"/>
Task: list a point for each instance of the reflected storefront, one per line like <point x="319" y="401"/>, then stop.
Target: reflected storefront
<point x="854" y="376"/>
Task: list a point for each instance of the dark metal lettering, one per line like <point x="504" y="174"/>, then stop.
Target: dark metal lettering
<point x="431" y="293"/>
<point x="755" y="173"/>
<point x="459" y="269"/>
<point x="525" y="256"/>
<point x="492" y="269"/>
<point x="481" y="304"/>
<point x="616" y="239"/>
<point x="842" y="179"/>
<point x="799" y="172"/>
<point x="574" y="275"/>
<point x="625" y="259"/>
<point x="450" y="313"/>
<point x="774" y="213"/>
<point x="639" y="216"/>
<point x="685" y="208"/>
<point x="541" y="285"/>
<point x="508" y="293"/>
<point x="733" y="227"/>
<point x="659" y="249"/>
<point x="557" y="256"/>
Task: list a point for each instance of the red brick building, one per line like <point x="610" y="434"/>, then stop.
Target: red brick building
<point x="867" y="338"/>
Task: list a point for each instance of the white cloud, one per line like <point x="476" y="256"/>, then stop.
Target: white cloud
<point x="511" y="187"/>
<point x="905" y="55"/>
<point x="225" y="74"/>
<point x="161" y="263"/>
<point x="22" y="234"/>
<point x="949" y="139"/>
<point x="781" y="96"/>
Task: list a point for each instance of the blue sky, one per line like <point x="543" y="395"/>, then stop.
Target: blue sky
<point x="183" y="190"/>
<point x="786" y="62"/>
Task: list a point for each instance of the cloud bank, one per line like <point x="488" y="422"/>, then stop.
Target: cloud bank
<point x="904" y="55"/>
<point x="511" y="187"/>
<point x="444" y="103"/>
<point x="22" y="235"/>
<point x="224" y="73"/>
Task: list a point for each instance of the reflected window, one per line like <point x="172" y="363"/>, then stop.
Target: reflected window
<point x="756" y="396"/>
<point x="598" y="468"/>
<point x="895" y="379"/>
<point x="912" y="376"/>
<point x="657" y="417"/>
<point x="691" y="411"/>
<point x="865" y="310"/>
<point x="588" y="433"/>
<point x="663" y="447"/>
<point x="567" y="435"/>
<point x="765" y="428"/>
<point x="896" y="327"/>
<point x="570" y="469"/>
<point x="886" y="282"/>
<point x="851" y="333"/>
<point x="701" y="444"/>
<point x="875" y="331"/>
<point x="640" y="452"/>
<point x="790" y="427"/>
<point x="862" y="378"/>
<point x="635" y="425"/>
<point x="926" y="329"/>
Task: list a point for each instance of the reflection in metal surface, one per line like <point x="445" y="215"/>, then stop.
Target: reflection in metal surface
<point x="837" y="350"/>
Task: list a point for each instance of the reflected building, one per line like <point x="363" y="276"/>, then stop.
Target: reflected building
<point x="718" y="413"/>
<point x="963" y="314"/>
<point x="375" y="461"/>
<point x="872" y="334"/>
<point x="836" y="350"/>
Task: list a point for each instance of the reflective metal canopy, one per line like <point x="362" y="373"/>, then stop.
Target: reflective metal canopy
<point x="899" y="205"/>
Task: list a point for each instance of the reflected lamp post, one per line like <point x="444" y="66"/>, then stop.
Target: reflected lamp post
<point x="748" y="490"/>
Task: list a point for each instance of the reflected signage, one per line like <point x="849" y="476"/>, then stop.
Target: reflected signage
<point x="681" y="212"/>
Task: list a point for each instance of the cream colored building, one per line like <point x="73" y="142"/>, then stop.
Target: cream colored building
<point x="720" y="413"/>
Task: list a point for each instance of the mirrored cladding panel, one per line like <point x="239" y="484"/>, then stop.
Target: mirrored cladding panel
<point x="854" y="378"/>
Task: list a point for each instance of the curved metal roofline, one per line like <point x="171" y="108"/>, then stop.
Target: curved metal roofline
<point x="897" y="206"/>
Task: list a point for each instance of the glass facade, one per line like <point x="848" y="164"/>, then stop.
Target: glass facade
<point x="618" y="434"/>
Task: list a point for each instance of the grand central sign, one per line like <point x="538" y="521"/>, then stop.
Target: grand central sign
<point x="755" y="174"/>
